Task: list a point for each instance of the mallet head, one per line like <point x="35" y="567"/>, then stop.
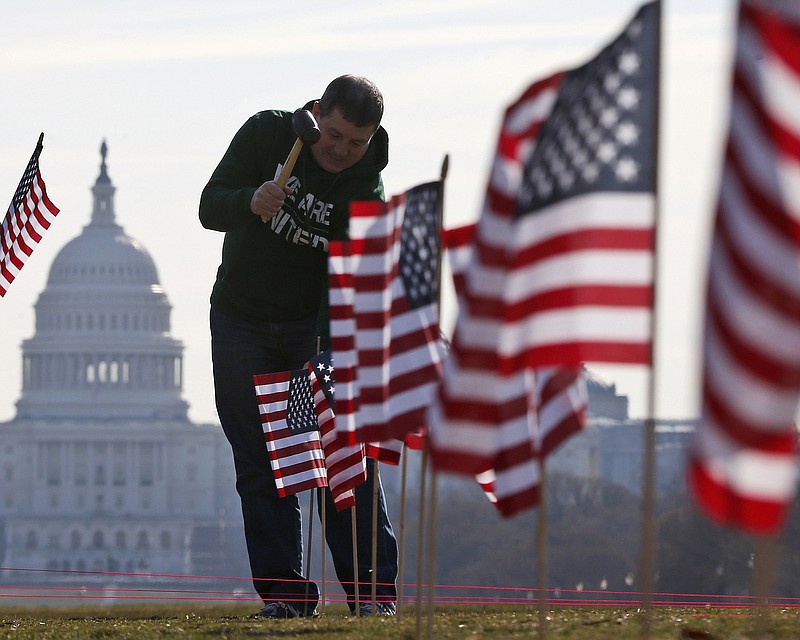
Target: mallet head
<point x="305" y="126"/>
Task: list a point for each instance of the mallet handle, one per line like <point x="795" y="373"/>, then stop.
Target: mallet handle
<point x="288" y="166"/>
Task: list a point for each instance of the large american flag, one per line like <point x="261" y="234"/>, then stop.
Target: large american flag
<point x="291" y="430"/>
<point x="345" y="463"/>
<point x="562" y="268"/>
<point x="387" y="281"/>
<point x="743" y="464"/>
<point x="29" y="215"/>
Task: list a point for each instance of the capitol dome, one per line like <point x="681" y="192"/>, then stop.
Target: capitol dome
<point x="102" y="346"/>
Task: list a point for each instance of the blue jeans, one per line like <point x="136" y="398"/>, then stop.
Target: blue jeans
<point x="272" y="525"/>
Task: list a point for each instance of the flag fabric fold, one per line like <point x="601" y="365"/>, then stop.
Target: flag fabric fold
<point x="743" y="459"/>
<point x="561" y="270"/>
<point x="384" y="318"/>
<point x="29" y="215"/>
<point x="345" y="464"/>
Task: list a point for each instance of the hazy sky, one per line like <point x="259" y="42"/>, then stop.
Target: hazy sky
<point x="168" y="83"/>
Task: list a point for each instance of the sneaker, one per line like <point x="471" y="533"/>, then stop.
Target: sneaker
<point x="277" y="610"/>
<point x="381" y="609"/>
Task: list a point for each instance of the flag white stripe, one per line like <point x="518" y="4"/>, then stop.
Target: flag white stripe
<point x="755" y="400"/>
<point x="598" y="210"/>
<point x="778" y="85"/>
<point x="766" y="251"/>
<point x="586" y="324"/>
<point x="758" y="325"/>
<point x="777" y="176"/>
<point x="749" y="472"/>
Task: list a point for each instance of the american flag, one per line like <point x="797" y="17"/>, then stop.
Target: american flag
<point x="389" y="275"/>
<point x="556" y="406"/>
<point x="291" y="430"/>
<point x="563" y="258"/>
<point x="345" y="464"/>
<point x="564" y="250"/>
<point x="743" y="463"/>
<point x="29" y="216"/>
<point x="343" y="331"/>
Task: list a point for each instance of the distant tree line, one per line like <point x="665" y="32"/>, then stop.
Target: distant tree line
<point x="593" y="543"/>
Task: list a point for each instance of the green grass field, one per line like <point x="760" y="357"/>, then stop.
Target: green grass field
<point x="193" y="622"/>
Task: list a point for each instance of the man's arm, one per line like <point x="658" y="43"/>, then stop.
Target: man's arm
<point x="226" y="200"/>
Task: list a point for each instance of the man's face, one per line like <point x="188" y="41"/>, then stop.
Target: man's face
<point x="342" y="143"/>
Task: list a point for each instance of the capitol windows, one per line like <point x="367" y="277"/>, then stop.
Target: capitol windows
<point x="75" y="540"/>
<point x="120" y="540"/>
<point x="142" y="541"/>
<point x="53" y="463"/>
<point x="119" y="455"/>
<point x="31" y="540"/>
<point x="81" y="463"/>
<point x="98" y="540"/>
<point x="166" y="540"/>
<point x="147" y="464"/>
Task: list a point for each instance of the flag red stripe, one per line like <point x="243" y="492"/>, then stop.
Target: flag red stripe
<point x="747" y="434"/>
<point x="556" y="354"/>
<point x="780" y="36"/>
<point x="772" y="370"/>
<point x="567" y="297"/>
<point x="771" y="213"/>
<point x="724" y="505"/>
<point x="586" y="240"/>
<point x="769" y="292"/>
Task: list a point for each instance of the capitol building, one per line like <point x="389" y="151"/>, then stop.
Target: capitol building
<point x="102" y="471"/>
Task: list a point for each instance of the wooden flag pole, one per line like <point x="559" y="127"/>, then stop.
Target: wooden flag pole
<point x="431" y="551"/>
<point x="375" y="485"/>
<point x="421" y="536"/>
<point x="308" y="544"/>
<point x="323" y="523"/>
<point x="766" y="558"/>
<point x="541" y="548"/>
<point x="431" y="573"/>
<point x="647" y="567"/>
<point x="355" y="557"/>
<point x="402" y="533"/>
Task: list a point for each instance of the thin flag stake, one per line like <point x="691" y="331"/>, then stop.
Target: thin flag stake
<point x="355" y="557"/>
<point x="402" y="533"/>
<point x="421" y="536"/>
<point x="312" y="493"/>
<point x="431" y="551"/>
<point x="323" y="523"/>
<point x="431" y="574"/>
<point x="375" y="484"/>
<point x="766" y="558"/>
<point x="648" y="535"/>
<point x="541" y="547"/>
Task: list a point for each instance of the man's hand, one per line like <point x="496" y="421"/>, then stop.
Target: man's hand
<point x="268" y="200"/>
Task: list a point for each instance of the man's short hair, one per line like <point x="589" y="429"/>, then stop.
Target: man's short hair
<point x="357" y="98"/>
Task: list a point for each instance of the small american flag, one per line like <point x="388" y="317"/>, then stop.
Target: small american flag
<point x="345" y="463"/>
<point x="561" y="270"/>
<point x="291" y="430"/>
<point x="388" y="281"/>
<point x="29" y="216"/>
<point x="743" y="463"/>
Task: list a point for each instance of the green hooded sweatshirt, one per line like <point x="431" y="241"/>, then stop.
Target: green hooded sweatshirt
<point x="277" y="271"/>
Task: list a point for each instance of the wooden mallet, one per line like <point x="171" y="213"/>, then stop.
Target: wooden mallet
<point x="307" y="130"/>
<point x="305" y="126"/>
